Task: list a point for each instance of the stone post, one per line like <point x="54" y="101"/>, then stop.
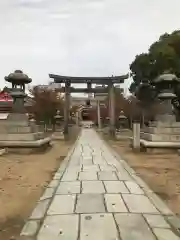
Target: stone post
<point x="99" y="114"/>
<point x="77" y="118"/>
<point x="136" y="136"/>
<point x="66" y="109"/>
<point x="80" y="115"/>
<point x="89" y="87"/>
<point x="112" y="110"/>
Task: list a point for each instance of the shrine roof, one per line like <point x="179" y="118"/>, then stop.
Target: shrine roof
<point x="6" y="99"/>
<point x="94" y="80"/>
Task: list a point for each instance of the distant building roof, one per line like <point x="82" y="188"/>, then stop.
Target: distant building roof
<point x="50" y="86"/>
<point x="7" y="101"/>
<point x="5" y="97"/>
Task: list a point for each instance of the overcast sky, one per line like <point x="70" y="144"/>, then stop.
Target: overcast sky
<point x="79" y="37"/>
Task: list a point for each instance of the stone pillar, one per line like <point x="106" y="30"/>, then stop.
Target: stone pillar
<point x="77" y="118"/>
<point x="112" y="110"/>
<point x="99" y="114"/>
<point x="80" y="115"/>
<point x="136" y="136"/>
<point x="89" y="87"/>
<point x="66" y="109"/>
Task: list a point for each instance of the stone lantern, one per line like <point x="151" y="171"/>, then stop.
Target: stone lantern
<point x="122" y="120"/>
<point x="18" y="80"/>
<point x="107" y="119"/>
<point x="58" y="133"/>
<point x="122" y="117"/>
<point x="57" y="119"/>
<point x="18" y="131"/>
<point x="164" y="132"/>
<point x="165" y="85"/>
<point x="122" y="131"/>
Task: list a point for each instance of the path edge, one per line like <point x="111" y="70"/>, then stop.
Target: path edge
<point x="34" y="221"/>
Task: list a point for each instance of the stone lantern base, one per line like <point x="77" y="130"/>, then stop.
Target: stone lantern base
<point x="18" y="132"/>
<point x="58" y="132"/>
<point x="58" y="135"/>
<point x="123" y="133"/>
<point x="161" y="135"/>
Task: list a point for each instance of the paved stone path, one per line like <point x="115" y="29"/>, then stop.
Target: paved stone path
<point x="94" y="196"/>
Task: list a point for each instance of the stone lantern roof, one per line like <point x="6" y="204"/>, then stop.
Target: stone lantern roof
<point x="58" y="116"/>
<point x="18" y="78"/>
<point x="166" y="77"/>
<point x="121" y="115"/>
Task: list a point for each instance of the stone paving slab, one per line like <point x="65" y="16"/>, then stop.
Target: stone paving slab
<point x="139" y="204"/>
<point x="93" y="187"/>
<point x="96" y="195"/>
<point x="69" y="187"/>
<point x="62" y="204"/>
<point x="124" y="175"/>
<point x="70" y="175"/>
<point x="132" y="226"/>
<point x="165" y="234"/>
<point x="156" y="221"/>
<point x="90" y="203"/>
<point x="115" y="187"/>
<point x="98" y="226"/>
<point x="88" y="175"/>
<point x="63" y="227"/>
<point x="87" y="161"/>
<point x="134" y="187"/>
<point x="115" y="203"/>
<point x="94" y="168"/>
<point x="107" y="168"/>
<point x="103" y="175"/>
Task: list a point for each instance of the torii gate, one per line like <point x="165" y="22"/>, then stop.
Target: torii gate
<point x="108" y="82"/>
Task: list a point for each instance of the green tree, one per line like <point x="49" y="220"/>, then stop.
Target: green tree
<point x="162" y="55"/>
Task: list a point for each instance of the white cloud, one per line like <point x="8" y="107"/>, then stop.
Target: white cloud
<point x="79" y="37"/>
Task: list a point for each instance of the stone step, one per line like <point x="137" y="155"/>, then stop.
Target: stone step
<point x="17" y="129"/>
<point x="162" y="130"/>
<point x="160" y="137"/>
<point x="21" y="136"/>
<point x="165" y="124"/>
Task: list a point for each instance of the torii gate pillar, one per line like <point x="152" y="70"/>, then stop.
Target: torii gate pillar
<point x="112" y="110"/>
<point x="66" y="110"/>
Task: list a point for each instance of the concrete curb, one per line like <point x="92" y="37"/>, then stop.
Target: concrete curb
<point x="3" y="151"/>
<point x="33" y="224"/>
<point x="25" y="144"/>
